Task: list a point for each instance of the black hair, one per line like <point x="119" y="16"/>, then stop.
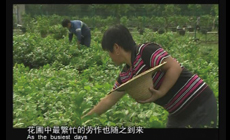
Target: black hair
<point x="120" y="35"/>
<point x="65" y="22"/>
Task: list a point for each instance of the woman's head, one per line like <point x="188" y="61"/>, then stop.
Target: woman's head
<point x="118" y="41"/>
<point x="117" y="34"/>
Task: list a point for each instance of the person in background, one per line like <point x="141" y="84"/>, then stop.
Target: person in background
<point x="189" y="101"/>
<point x="80" y="29"/>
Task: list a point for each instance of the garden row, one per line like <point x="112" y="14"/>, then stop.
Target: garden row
<point x="52" y="24"/>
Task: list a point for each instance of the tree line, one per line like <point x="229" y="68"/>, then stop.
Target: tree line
<point x="118" y="10"/>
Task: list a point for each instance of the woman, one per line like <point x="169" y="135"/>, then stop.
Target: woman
<point x="188" y="99"/>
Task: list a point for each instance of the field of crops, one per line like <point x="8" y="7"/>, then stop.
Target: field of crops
<point x="55" y="83"/>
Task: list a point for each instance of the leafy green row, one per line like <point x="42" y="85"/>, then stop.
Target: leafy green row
<point x="42" y="23"/>
<point x="34" y="51"/>
<point x="46" y="96"/>
<point x="50" y="97"/>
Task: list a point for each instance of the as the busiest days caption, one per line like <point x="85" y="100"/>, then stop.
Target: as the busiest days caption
<point x="77" y="133"/>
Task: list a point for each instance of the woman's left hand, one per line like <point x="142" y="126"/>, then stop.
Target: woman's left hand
<point x="156" y="94"/>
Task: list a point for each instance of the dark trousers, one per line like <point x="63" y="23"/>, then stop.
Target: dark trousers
<point x="86" y="36"/>
<point x="85" y="40"/>
<point x="204" y="115"/>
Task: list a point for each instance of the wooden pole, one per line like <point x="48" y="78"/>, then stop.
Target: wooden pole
<point x="20" y="12"/>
